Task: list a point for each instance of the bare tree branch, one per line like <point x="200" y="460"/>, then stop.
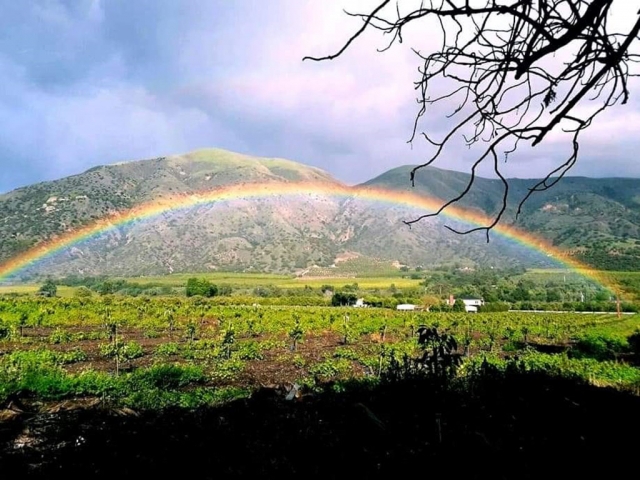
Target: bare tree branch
<point x="497" y="58"/>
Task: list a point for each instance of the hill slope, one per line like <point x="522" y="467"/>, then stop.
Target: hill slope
<point x="36" y="212"/>
<point x="597" y="218"/>
<point x="287" y="233"/>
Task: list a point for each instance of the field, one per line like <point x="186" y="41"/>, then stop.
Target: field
<point x="59" y="348"/>
<point x="245" y="280"/>
<point x="240" y="281"/>
<point x="32" y="288"/>
<point x="629" y="282"/>
<point x="116" y="385"/>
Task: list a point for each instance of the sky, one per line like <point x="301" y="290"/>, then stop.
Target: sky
<point x="93" y="82"/>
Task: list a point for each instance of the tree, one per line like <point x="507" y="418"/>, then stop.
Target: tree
<point x="202" y="287"/>
<point x="82" y="292"/>
<point x="515" y="71"/>
<point x="343" y="298"/>
<point x="108" y="287"/>
<point x="48" y="289"/>
<point x="429" y="301"/>
<point x="458" y="306"/>
<point x="296" y="333"/>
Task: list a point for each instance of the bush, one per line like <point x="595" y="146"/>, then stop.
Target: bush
<point x="48" y="289"/>
<point x="599" y="347"/>
<point x="634" y="342"/>
<point x="201" y="287"/>
<point x="5" y="331"/>
<point x="167" y="349"/>
<point x="250" y="350"/>
<point x="343" y="298"/>
<point x="59" y="336"/>
<point x="495" y="307"/>
<point x="125" y="351"/>
<point x="82" y="292"/>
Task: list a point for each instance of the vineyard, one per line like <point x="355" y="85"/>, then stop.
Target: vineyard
<point x="133" y="386"/>
<point x="156" y="353"/>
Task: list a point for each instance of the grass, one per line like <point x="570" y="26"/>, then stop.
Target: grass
<point x="240" y="280"/>
<point x="32" y="288"/>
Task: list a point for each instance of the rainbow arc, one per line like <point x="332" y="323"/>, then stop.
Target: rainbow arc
<point x="172" y="203"/>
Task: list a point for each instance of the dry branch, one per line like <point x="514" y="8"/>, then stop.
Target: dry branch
<point x="494" y="51"/>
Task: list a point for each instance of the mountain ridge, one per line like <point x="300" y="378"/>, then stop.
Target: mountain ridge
<point x="278" y="235"/>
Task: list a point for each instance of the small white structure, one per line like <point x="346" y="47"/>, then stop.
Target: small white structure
<point x="360" y="303"/>
<point x="406" y="307"/>
<point x="470" y="304"/>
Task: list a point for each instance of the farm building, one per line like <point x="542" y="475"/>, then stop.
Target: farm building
<point x="406" y="307"/>
<point x="360" y="303"/>
<point x="471" y="304"/>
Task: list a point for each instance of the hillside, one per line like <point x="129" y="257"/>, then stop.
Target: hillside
<point x="597" y="218"/>
<point x="293" y="233"/>
<point x="33" y="213"/>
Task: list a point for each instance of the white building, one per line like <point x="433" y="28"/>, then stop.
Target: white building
<point x="470" y="304"/>
<point x="406" y="307"/>
<point x="360" y="303"/>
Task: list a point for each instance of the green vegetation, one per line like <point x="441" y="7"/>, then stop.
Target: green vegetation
<point x="595" y="219"/>
<point x="501" y="289"/>
<point x="202" y="287"/>
<point x="48" y="289"/>
<point x="148" y="352"/>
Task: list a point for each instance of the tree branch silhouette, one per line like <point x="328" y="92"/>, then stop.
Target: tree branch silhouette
<point x="496" y="62"/>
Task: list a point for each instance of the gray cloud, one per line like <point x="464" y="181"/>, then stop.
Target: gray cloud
<point x="89" y="82"/>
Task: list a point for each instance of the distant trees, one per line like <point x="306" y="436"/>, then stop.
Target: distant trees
<point x="430" y="301"/>
<point x="48" y="289"/>
<point x="340" y="299"/>
<point x="458" y="306"/>
<point x="109" y="287"/>
<point x="82" y="292"/>
<point x="327" y="288"/>
<point x="202" y="287"/>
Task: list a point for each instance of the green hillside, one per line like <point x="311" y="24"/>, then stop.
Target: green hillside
<point x="596" y="218"/>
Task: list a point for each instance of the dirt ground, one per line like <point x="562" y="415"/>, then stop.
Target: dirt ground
<point x="275" y="369"/>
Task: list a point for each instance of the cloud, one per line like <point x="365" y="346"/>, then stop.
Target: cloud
<point x="89" y="82"/>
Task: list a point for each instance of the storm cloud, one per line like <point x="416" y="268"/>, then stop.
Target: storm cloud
<point x="88" y="82"/>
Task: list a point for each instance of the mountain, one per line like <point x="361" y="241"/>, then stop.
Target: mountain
<point x="291" y="233"/>
<point x="30" y="214"/>
<point x="598" y="219"/>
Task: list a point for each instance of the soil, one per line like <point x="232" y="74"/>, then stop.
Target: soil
<point x="275" y="369"/>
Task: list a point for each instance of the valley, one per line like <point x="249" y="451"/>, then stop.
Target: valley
<point x="262" y="296"/>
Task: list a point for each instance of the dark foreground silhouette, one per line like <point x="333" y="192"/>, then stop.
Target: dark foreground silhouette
<point x="518" y="425"/>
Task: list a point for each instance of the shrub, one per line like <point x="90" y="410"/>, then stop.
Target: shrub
<point x="59" y="336"/>
<point x="201" y="287"/>
<point x="82" y="292"/>
<point x="599" y="347"/>
<point x="48" y="289"/>
<point x="248" y="351"/>
<point x="5" y="331"/>
<point x="123" y="351"/>
<point x="634" y="342"/>
<point x="167" y="349"/>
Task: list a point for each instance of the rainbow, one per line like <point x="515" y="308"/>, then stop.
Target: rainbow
<point x="249" y="191"/>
